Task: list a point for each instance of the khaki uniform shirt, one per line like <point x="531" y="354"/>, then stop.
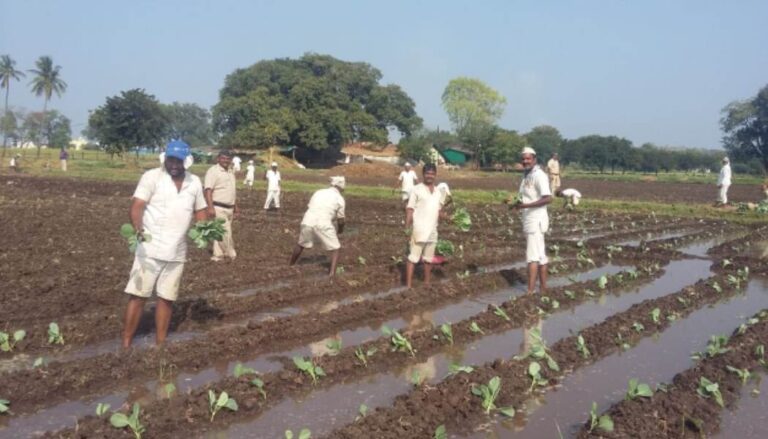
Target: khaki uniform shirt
<point x="553" y="166"/>
<point x="222" y="182"/>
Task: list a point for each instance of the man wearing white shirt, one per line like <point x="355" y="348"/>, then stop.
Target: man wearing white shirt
<point x="724" y="181"/>
<point x="249" y="174"/>
<point x="273" y="187"/>
<point x="325" y="207"/>
<point x="534" y="189"/>
<point x="163" y="205"/>
<point x="236" y="163"/>
<point x="572" y="197"/>
<point x="407" y="180"/>
<point x="423" y="212"/>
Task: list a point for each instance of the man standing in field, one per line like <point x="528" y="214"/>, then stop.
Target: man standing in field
<point x="14" y="164"/>
<point x="724" y="182"/>
<point x="220" y="194"/>
<point x="63" y="156"/>
<point x="249" y="174"/>
<point x="535" y="193"/>
<point x="422" y="212"/>
<point x="326" y="206"/>
<point x="406" y="181"/>
<point x="553" y="167"/>
<point x="236" y="163"/>
<point x="163" y="205"/>
<point x="273" y="187"/>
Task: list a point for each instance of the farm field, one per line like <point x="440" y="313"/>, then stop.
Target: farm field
<point x="632" y="296"/>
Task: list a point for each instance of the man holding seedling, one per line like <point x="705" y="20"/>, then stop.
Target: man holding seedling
<point x="406" y="181"/>
<point x="220" y="186"/>
<point x="535" y="195"/>
<point x="163" y="205"/>
<point x="422" y="212"/>
<point x="325" y="207"/>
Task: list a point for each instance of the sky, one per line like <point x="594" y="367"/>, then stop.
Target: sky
<point x="654" y="71"/>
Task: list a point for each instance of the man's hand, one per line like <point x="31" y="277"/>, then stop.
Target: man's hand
<point x="211" y="212"/>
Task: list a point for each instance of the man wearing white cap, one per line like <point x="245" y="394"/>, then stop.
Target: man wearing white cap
<point x="535" y="192"/>
<point x="326" y="206"/>
<point x="236" y="163"/>
<point x="724" y="181"/>
<point x="163" y="205"/>
<point x="273" y="187"/>
<point x="407" y="180"/>
<point x="249" y="174"/>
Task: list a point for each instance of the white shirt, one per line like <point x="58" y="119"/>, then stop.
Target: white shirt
<point x="236" y="161"/>
<point x="725" y="175"/>
<point x="168" y="213"/>
<point x="407" y="180"/>
<point x="273" y="180"/>
<point x="13" y="162"/>
<point x="426" y="207"/>
<point x="325" y="206"/>
<point x="443" y="187"/>
<point x="571" y="193"/>
<point x="533" y="187"/>
<point x="250" y="169"/>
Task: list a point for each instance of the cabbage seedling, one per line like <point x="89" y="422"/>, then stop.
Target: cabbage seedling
<point x="440" y="432"/>
<point x="637" y="389"/>
<point x="538" y="350"/>
<point x="54" y="334"/>
<point x="120" y="420"/>
<point x="361" y="260"/>
<point x="132" y="236"/>
<point x="259" y="384"/>
<point x="489" y="393"/>
<point x="241" y="369"/>
<point x="475" y="328"/>
<point x="399" y="342"/>
<point x="656" y="315"/>
<point x="39" y="361"/>
<point x="744" y="374"/>
<point x="602" y="282"/>
<point x="582" y="347"/>
<point x="501" y="313"/>
<point x="604" y="422"/>
<point x="715" y="346"/>
<point x="760" y="352"/>
<point x="444" y="247"/>
<point x="363" y="356"/>
<point x="363" y="410"/>
<point x="204" y="232"/>
<point x="4" y="403"/>
<point x="309" y="368"/>
<point x="303" y="434"/>
<point x="7" y="343"/>
<point x="534" y="371"/>
<point x="716" y="286"/>
<point x="709" y="389"/>
<point x="454" y="368"/>
<point x="101" y="409"/>
<point x="462" y="220"/>
<point x="638" y="327"/>
<point x="570" y="294"/>
<point x="223" y="401"/>
<point x="445" y="328"/>
<point x="334" y="346"/>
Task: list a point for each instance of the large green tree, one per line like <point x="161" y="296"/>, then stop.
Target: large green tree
<point x="418" y="146"/>
<point x="745" y="124"/>
<point x="315" y="102"/>
<point x="505" y="146"/>
<point x="189" y="122"/>
<point x="8" y="73"/>
<point x="47" y="80"/>
<point x="473" y="109"/>
<point x="545" y="139"/>
<point x="132" y="119"/>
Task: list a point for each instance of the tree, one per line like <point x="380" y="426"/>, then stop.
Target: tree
<point x="59" y="131"/>
<point x="745" y="124"/>
<point x="505" y="146"/>
<point x="316" y="102"/>
<point x="473" y="109"/>
<point x="7" y="73"/>
<point x="132" y="119"/>
<point x="545" y="139"/>
<point x="47" y="80"/>
<point x="418" y="146"/>
<point x="189" y="122"/>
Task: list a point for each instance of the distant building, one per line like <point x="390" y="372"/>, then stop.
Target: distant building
<point x="362" y="152"/>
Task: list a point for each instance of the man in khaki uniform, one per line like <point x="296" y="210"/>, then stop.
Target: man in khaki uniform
<point x="553" y="169"/>
<point x="220" y="194"/>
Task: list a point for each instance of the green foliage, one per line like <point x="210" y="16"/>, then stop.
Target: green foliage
<point x="538" y="349"/>
<point x="189" y="122"/>
<point x="656" y="315"/>
<point x="305" y="433"/>
<point x="4" y="405"/>
<point x="581" y="346"/>
<point x="259" y="384"/>
<point x="101" y="409"/>
<point x="399" y="342"/>
<point x="120" y="421"/>
<point x="602" y="282"/>
<point x="445" y="247"/>
<point x="47" y="79"/>
<point x="489" y="393"/>
<point x="169" y="388"/>
<point x="334" y="346"/>
<point x="454" y="368"/>
<point x="745" y="124"/>
<point x="54" y="334"/>
<point x="545" y="140"/>
<point x="743" y="374"/>
<point x="445" y="328"/>
<point x="497" y="310"/>
<point x="638" y="327"/>
<point x="8" y="342"/>
<point x="132" y="119"/>
<point x="461" y="219"/>
<point x="709" y="389"/>
<point x="604" y="423"/>
<point x="504" y="147"/>
<point x="475" y="328"/>
<point x="440" y="432"/>
<point x="215" y="404"/>
<point x="636" y="389"/>
<point x="132" y="236"/>
<point x="715" y="346"/>
<point x="534" y="372"/>
<point x="309" y="368"/>
<point x="363" y="356"/>
<point x="204" y="232"/>
<point x="240" y="369"/>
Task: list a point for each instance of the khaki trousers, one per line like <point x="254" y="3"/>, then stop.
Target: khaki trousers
<point x="554" y="182"/>
<point x="225" y="247"/>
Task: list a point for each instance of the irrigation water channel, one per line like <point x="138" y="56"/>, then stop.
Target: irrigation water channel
<point x="322" y="411"/>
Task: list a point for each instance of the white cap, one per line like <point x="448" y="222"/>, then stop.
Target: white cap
<point x="407" y="164"/>
<point x="274" y="164"/>
<point x="528" y="150"/>
<point x="250" y="161"/>
<point x="338" y="181"/>
<point x="726" y="160"/>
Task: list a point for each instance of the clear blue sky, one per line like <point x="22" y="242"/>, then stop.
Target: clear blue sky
<point x="652" y="71"/>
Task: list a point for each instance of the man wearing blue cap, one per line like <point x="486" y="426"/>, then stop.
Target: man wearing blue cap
<point x="163" y="205"/>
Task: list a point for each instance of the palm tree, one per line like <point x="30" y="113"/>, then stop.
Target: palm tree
<point x="7" y="73"/>
<point x="45" y="83"/>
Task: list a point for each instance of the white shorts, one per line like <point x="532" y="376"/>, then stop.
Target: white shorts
<point x="148" y="274"/>
<point x="422" y="250"/>
<point x="323" y="235"/>
<point x="536" y="250"/>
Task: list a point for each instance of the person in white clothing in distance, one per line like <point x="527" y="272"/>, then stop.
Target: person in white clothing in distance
<point x="406" y="181"/>
<point x="250" y="173"/>
<point x="535" y="192"/>
<point x="423" y="213"/>
<point x="724" y="182"/>
<point x="273" y="187"/>
<point x="236" y="163"/>
<point x="571" y="196"/>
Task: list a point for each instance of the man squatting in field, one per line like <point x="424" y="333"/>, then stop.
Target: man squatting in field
<point x="571" y="196"/>
<point x="163" y="205"/>
<point x="220" y="183"/>
<point x="535" y="192"/>
<point x="422" y="212"/>
<point x="325" y="206"/>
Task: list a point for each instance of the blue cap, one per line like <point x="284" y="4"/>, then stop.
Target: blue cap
<point x="178" y="149"/>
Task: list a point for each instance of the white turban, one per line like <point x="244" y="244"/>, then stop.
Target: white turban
<point x="274" y="164"/>
<point x="528" y="150"/>
<point x="338" y="181"/>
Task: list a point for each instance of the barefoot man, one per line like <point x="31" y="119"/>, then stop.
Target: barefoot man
<point x="423" y="212"/>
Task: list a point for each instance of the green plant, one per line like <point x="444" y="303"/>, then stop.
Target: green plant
<point x="475" y="328"/>
<point x="707" y="388"/>
<point x="637" y="389"/>
<point x="132" y="236"/>
<point x="259" y="384"/>
<point x="445" y="247"/>
<point x="241" y="369"/>
<point x="638" y="327"/>
<point x="760" y="352"/>
<point x="501" y="313"/>
<point x="538" y="349"/>
<point x="101" y="409"/>
<point x="489" y="393"/>
<point x="361" y="260"/>
<point x="440" y="432"/>
<point x="399" y="342"/>
<point x="570" y="294"/>
<point x="120" y="420"/>
<point x="716" y="286"/>
<point x="363" y="356"/>
<point x="7" y="343"/>
<point x="743" y="374"/>
<point x="222" y="401"/>
<point x="309" y="368"/>
<point x="461" y="219"/>
<point x="4" y="403"/>
<point x="656" y="315"/>
<point x="454" y="368"/>
<point x="169" y="389"/>
<point x="39" y="361"/>
<point x="633" y="274"/>
<point x="204" y="232"/>
<point x="534" y="371"/>
<point x="582" y="347"/>
<point x="604" y="423"/>
<point x="416" y="378"/>
<point x="445" y="328"/>
<point x="602" y="282"/>
<point x="715" y="346"/>
<point x="54" y="334"/>
<point x="303" y="434"/>
<point x="334" y="345"/>
<point x="340" y="269"/>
